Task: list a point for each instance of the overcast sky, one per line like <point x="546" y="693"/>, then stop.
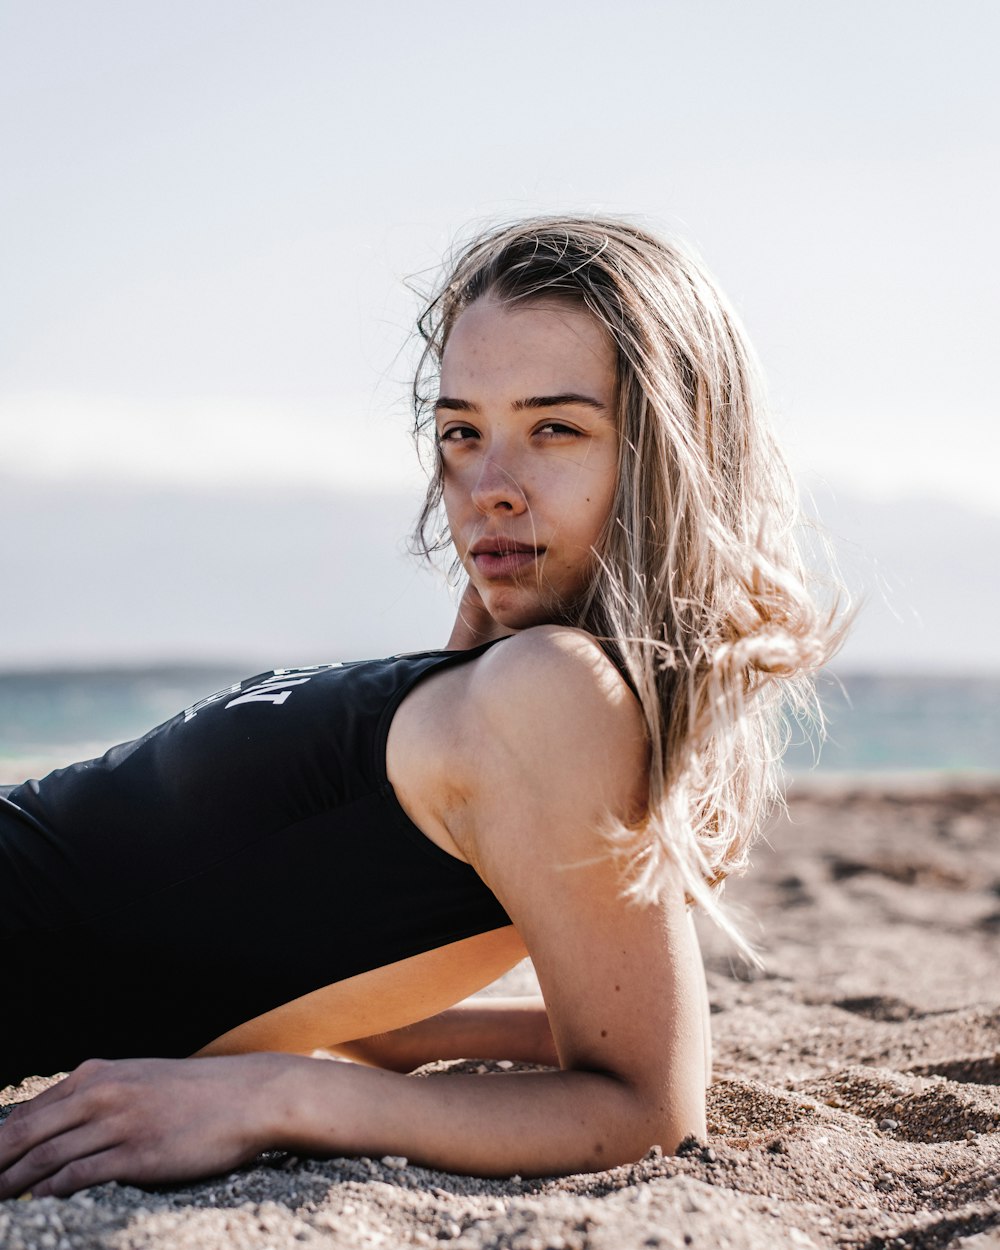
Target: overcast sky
<point x="208" y="210"/>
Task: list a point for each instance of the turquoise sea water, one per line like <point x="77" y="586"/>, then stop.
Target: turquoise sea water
<point x="891" y="723"/>
<point x="876" y="723"/>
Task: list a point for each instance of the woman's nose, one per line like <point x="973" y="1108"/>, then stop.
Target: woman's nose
<point x="497" y="488"/>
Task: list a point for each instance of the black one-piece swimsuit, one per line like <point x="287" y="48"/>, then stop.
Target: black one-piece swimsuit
<point x="246" y="852"/>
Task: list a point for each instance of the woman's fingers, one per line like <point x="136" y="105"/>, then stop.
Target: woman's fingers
<point x="33" y="1125"/>
<point x="55" y="1094"/>
<point x="81" y="1174"/>
<point x="60" y="1165"/>
<point x="61" y="1126"/>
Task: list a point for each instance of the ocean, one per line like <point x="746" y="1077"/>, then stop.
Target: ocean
<point x="876" y="723"/>
<point x="896" y="723"/>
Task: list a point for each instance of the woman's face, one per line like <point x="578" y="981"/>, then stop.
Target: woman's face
<point x="529" y="444"/>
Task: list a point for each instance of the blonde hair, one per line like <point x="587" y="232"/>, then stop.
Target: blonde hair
<point x="700" y="591"/>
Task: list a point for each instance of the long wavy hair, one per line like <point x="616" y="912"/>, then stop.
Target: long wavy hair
<point x="699" y="589"/>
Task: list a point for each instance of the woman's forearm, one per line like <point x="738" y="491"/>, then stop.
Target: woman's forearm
<point x="533" y="1123"/>
<point x="482" y="1028"/>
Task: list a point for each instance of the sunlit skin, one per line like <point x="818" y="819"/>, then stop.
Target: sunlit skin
<point x="513" y="762"/>
<point x="528" y="440"/>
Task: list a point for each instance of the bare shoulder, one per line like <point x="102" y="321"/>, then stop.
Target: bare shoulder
<point x="555" y="691"/>
<point x="551" y="729"/>
<point x="561" y="645"/>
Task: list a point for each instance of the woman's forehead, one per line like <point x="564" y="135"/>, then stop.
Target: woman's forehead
<point x="547" y="339"/>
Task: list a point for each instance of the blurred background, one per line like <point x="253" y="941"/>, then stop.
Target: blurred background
<point x="209" y="216"/>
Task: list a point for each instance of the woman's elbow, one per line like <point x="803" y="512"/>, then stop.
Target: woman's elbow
<point x="652" y="1118"/>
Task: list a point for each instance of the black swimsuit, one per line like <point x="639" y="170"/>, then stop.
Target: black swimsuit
<point x="242" y="854"/>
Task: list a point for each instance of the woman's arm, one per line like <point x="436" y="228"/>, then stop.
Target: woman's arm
<point x="149" y="1121"/>
<point x="479" y="1028"/>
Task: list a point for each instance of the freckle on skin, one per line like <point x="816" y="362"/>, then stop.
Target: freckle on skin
<point x="604" y="1032"/>
<point x="617" y="988"/>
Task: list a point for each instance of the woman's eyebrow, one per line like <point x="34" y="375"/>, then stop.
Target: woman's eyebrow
<point x="447" y="403"/>
<point x="558" y="401"/>
<point x="454" y="405"/>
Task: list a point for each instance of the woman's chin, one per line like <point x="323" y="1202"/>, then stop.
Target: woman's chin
<point x="516" y="613"/>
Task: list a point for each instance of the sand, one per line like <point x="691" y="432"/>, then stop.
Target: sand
<point x="856" y="1100"/>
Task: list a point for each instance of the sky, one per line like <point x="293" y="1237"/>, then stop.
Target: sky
<point x="210" y="213"/>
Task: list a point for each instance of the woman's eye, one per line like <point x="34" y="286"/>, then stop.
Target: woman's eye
<point x="457" y="434"/>
<point x="556" y="429"/>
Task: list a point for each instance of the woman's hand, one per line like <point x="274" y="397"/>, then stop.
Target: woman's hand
<point x="136" y="1120"/>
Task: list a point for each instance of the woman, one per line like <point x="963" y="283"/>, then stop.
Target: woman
<point x="335" y="856"/>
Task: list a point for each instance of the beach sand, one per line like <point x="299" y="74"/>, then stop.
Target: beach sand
<point x="856" y="1100"/>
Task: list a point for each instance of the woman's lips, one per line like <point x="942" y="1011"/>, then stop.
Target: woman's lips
<point x="502" y="563"/>
<point x="503" y="559"/>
